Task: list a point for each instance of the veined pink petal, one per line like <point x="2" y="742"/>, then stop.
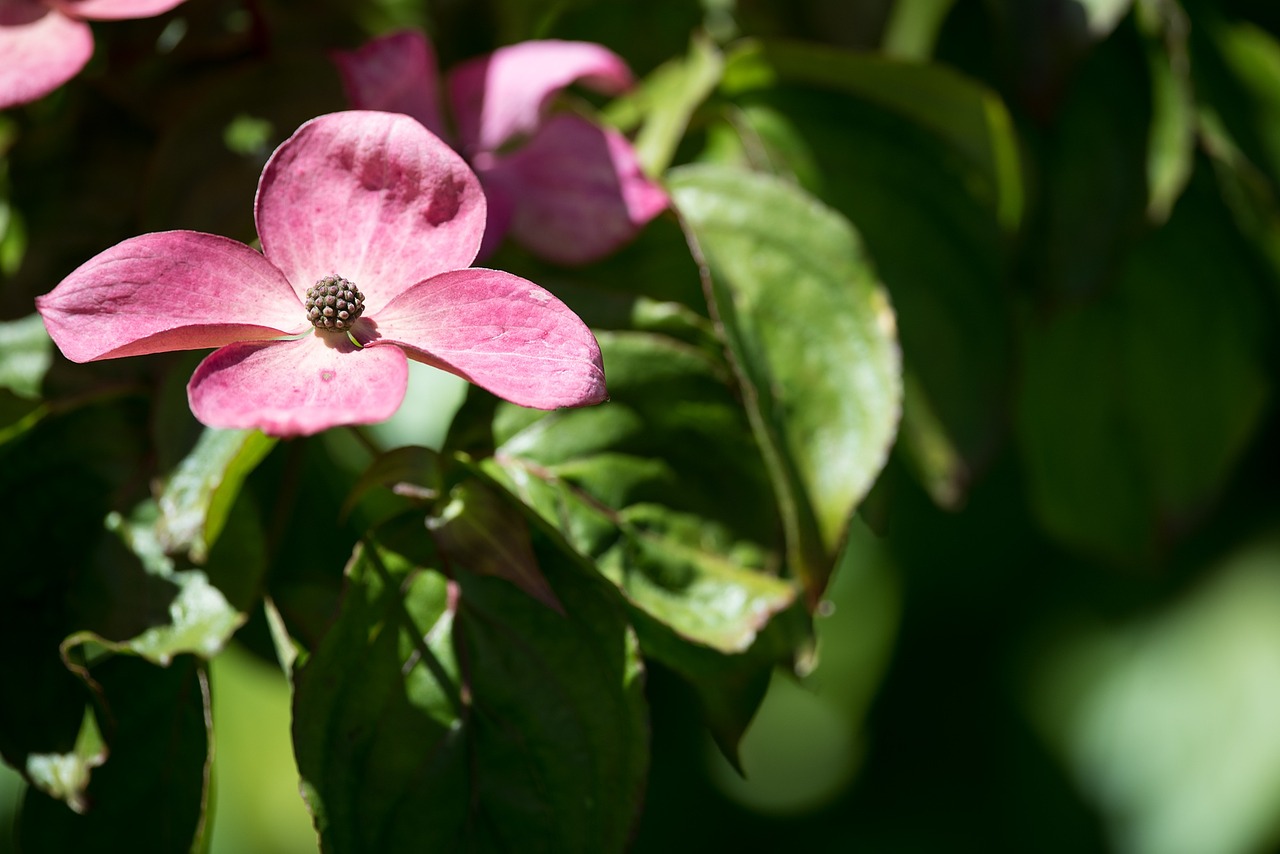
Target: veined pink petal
<point x="298" y="387"/>
<point x="40" y="49"/>
<point x="172" y="290"/>
<point x="501" y="332"/>
<point x="114" y="10"/>
<point x="580" y="192"/>
<point x="395" y="73"/>
<point x="501" y="95"/>
<point x="373" y="197"/>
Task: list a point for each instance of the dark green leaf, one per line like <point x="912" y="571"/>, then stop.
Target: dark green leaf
<point x="463" y="715"/>
<point x="78" y="461"/>
<point x="489" y="536"/>
<point x="1135" y="408"/>
<point x="151" y="792"/>
<point x="968" y="116"/>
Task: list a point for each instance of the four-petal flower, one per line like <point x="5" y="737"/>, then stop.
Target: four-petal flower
<point x="44" y="43"/>
<point x="373" y="198"/>
<point x="566" y="188"/>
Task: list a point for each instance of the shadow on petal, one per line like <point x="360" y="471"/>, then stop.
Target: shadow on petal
<point x="581" y="192"/>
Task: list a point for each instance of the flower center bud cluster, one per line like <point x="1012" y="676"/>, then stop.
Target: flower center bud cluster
<point x="333" y="303"/>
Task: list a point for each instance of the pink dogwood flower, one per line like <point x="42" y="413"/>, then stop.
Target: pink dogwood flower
<point x="368" y="224"/>
<point x="44" y="43"/>
<point x="566" y="188"/>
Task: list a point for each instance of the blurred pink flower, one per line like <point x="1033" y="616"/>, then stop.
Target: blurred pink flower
<point x="380" y="208"/>
<point x="566" y="188"/>
<point x="44" y="43"/>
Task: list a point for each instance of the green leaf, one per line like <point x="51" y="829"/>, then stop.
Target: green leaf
<point x="463" y="715"/>
<point x="912" y="28"/>
<point x="1171" y="147"/>
<point x="1135" y="408"/>
<point x="1234" y="67"/>
<point x="786" y="271"/>
<point x="665" y="102"/>
<point x="1137" y="707"/>
<point x="410" y="471"/>
<point x="665" y="490"/>
<point x="199" y="494"/>
<point x="78" y="462"/>
<point x="480" y="530"/>
<point x="663" y="487"/>
<point x="971" y="118"/>
<point x="152" y="791"/>
<point x="26" y="352"/>
<point x="905" y="187"/>
<point x="65" y="776"/>
<point x="1095" y="160"/>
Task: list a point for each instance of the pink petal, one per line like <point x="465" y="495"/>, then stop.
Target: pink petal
<point x="114" y="10"/>
<point x="40" y="49"/>
<point x="373" y="197"/>
<point x="580" y="192"/>
<point x="501" y="332"/>
<point x="298" y="387"/>
<point x="501" y="95"/>
<point x="172" y="290"/>
<point x="395" y="73"/>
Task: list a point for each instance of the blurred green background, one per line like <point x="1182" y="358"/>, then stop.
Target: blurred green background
<point x="1056" y="623"/>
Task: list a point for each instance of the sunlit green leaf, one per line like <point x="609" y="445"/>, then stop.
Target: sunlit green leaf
<point x="903" y="188"/>
<point x="1172" y="140"/>
<point x="26" y="352"/>
<point x="825" y="416"/>
<point x="198" y="495"/>
<point x="664" y="487"/>
<point x="665" y="102"/>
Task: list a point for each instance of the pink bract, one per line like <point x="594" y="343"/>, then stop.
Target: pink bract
<point x="44" y="43"/>
<point x="376" y="199"/>
<point x="568" y="189"/>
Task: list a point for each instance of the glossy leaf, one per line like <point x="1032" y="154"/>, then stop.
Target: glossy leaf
<point x="199" y="494"/>
<point x="824" y="417"/>
<point x="462" y="714"/>
<point x="904" y="187"/>
<point x="665" y="489"/>
<point x="673" y="544"/>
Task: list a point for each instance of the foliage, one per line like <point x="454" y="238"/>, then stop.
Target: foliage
<point x="939" y="398"/>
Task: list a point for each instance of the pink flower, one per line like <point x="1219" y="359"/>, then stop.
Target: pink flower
<point x="566" y="188"/>
<point x="368" y="202"/>
<point x="44" y="43"/>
